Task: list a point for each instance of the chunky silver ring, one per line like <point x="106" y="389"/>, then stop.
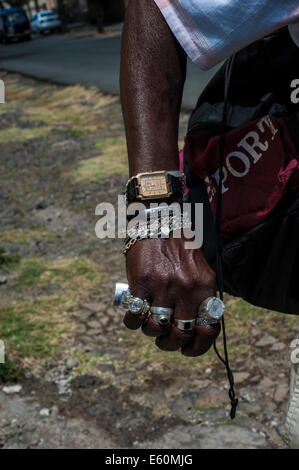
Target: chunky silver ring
<point x="163" y="320"/>
<point x="162" y="310"/>
<point x="122" y="295"/>
<point x="161" y="315"/>
<point x="138" y="306"/>
<point x="124" y="299"/>
<point x="184" y="325"/>
<point x="211" y="308"/>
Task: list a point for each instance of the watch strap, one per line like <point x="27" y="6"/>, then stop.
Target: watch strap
<point x="132" y="189"/>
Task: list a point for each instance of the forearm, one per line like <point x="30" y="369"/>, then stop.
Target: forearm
<point x="153" y="69"/>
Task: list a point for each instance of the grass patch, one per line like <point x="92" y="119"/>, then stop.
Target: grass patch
<point x="8" y="261"/>
<point x="241" y="316"/>
<point x="41" y="115"/>
<point x="57" y="116"/>
<point x="24" y="236"/>
<point x="80" y="96"/>
<point x="116" y="126"/>
<point x="88" y="362"/>
<point x="30" y="271"/>
<point x="37" y="327"/>
<point x="81" y="109"/>
<point x="75" y="274"/>
<point x="9" y="371"/>
<point x="106" y="143"/>
<point x="70" y="99"/>
<point x="19" y="134"/>
<point x="229" y="422"/>
<point x="76" y="132"/>
<point x="112" y="161"/>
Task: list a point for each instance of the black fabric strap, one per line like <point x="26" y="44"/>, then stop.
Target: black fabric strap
<point x="219" y="271"/>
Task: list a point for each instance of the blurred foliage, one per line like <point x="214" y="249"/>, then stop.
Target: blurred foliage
<point x="7" y="261"/>
<point x="18" y="3"/>
<point x="9" y="371"/>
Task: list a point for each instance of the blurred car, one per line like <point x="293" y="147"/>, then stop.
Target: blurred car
<point x="45" y="22"/>
<point x="14" y="24"/>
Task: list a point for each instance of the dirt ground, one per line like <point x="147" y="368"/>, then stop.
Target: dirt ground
<point x="74" y="377"/>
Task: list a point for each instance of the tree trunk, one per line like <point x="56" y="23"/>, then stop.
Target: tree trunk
<point x="62" y="15"/>
<point x="29" y="9"/>
<point x="36" y="5"/>
<point x="97" y="13"/>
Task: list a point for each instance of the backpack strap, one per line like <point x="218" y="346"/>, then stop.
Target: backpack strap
<point x="292" y="123"/>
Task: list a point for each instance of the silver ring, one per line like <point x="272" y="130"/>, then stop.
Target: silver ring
<point x="203" y="321"/>
<point x="122" y="295"/>
<point x="138" y="306"/>
<point x="124" y="299"/>
<point x="184" y="325"/>
<point x="211" y="308"/>
<point x="163" y="320"/>
<point x="162" y="311"/>
<point x="161" y="315"/>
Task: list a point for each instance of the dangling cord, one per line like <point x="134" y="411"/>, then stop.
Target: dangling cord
<point x="219" y="271"/>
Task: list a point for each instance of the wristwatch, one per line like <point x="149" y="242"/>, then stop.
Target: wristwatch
<point x="155" y="185"/>
<point x="210" y="311"/>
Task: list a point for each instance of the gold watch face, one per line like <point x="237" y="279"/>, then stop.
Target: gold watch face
<point x="153" y="185"/>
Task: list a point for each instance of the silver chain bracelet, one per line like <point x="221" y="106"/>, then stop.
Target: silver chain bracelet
<point x="156" y="229"/>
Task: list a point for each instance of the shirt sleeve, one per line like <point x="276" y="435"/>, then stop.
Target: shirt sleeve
<point x="210" y="31"/>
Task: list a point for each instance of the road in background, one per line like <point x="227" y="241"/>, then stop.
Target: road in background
<point x="90" y="61"/>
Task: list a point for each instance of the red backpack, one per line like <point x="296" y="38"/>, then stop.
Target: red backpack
<point x="260" y="181"/>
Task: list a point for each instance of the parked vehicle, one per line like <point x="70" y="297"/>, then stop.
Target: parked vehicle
<point x="45" y="22"/>
<point x="14" y="24"/>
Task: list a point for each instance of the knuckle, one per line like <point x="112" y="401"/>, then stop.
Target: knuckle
<point x="151" y="278"/>
<point x="189" y="283"/>
<point x="184" y="283"/>
<point x="210" y="280"/>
